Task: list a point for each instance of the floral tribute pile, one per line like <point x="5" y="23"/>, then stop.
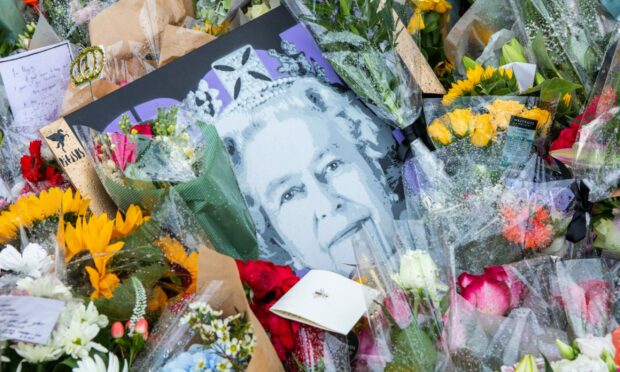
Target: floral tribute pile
<point x="492" y="245"/>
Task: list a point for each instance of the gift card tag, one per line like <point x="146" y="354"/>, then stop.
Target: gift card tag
<point x="524" y="72"/>
<point x="326" y="300"/>
<point x="35" y="84"/>
<point x="519" y="141"/>
<point x="28" y="319"/>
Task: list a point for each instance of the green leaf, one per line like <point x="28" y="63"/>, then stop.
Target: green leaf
<point x="413" y="350"/>
<point x="548" y="367"/>
<point x="553" y="89"/>
<point x="11" y="20"/>
<point x="469" y="63"/>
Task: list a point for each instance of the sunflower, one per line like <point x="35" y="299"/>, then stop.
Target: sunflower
<point x="94" y="235"/>
<point x="502" y="110"/>
<point x="184" y="265"/>
<point x="481" y="81"/>
<point x="30" y="209"/>
<point x="133" y="220"/>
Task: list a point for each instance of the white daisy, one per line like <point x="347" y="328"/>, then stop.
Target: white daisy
<point x="33" y="261"/>
<point x="47" y="286"/>
<point x="96" y="364"/>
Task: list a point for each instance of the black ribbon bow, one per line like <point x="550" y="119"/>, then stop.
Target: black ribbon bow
<point x="578" y="225"/>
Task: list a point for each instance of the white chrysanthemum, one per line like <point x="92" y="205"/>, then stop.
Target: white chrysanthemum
<point x="77" y="327"/>
<point x="47" y="286"/>
<point x="33" y="261"/>
<point x="34" y="353"/>
<point x="96" y="364"/>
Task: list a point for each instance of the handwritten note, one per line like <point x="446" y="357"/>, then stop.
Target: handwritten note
<point x="35" y="84"/>
<point x="28" y="319"/>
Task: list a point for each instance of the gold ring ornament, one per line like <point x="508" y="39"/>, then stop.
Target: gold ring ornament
<point x="88" y="65"/>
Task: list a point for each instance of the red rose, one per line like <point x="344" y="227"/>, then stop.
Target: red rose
<point x="31" y="164"/>
<point x="143" y="129"/>
<point x="590" y="300"/>
<point x="567" y="137"/>
<point x="260" y="276"/>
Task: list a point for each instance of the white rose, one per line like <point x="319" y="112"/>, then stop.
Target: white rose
<point x="418" y="272"/>
<point x="583" y="363"/>
<point x="593" y="346"/>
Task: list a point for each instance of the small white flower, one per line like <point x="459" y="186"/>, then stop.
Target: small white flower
<point x="593" y="346"/>
<point x="33" y="261"/>
<point x="96" y="364"/>
<point x="47" y="286"/>
<point x="34" y="353"/>
<point x="583" y="363"/>
<point x="46" y="153"/>
<point x="418" y="272"/>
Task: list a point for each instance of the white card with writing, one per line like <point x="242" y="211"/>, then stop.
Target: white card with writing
<point x="28" y="319"/>
<point x="326" y="300"/>
<point x="35" y="84"/>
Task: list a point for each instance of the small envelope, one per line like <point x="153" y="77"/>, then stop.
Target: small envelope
<point x="524" y="72"/>
<point x="326" y="300"/>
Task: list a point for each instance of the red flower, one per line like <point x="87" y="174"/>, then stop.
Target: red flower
<point x="589" y="299"/>
<point x="32" y="3"/>
<point x="494" y="292"/>
<point x="308" y="349"/>
<point x="567" y="137"/>
<point x="32" y="164"/>
<point x="143" y="129"/>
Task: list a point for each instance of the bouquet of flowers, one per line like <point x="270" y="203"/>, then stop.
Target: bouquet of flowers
<point x="139" y="163"/>
<point x="358" y="38"/>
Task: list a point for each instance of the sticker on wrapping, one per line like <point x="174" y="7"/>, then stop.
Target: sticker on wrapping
<point x="28" y="319"/>
<point x="519" y="141"/>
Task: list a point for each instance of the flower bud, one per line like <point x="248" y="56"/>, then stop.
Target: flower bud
<point x="609" y="360"/>
<point x="118" y="330"/>
<point x="566" y="351"/>
<point x="142" y="326"/>
<point x="145" y="335"/>
<point x="527" y="364"/>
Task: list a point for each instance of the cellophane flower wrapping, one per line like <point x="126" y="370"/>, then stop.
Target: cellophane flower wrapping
<point x="505" y="312"/>
<point x="595" y="155"/>
<point x="470" y="136"/>
<point x="136" y="264"/>
<point x="137" y="165"/>
<point x="358" y="38"/>
<point x="198" y="334"/>
<point x="403" y="324"/>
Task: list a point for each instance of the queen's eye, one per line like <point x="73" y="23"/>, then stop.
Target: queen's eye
<point x="333" y="166"/>
<point x="290" y="194"/>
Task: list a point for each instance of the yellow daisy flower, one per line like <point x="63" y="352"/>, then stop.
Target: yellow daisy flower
<point x="543" y="117"/>
<point x="440" y="132"/>
<point x="484" y="132"/>
<point x="502" y="110"/>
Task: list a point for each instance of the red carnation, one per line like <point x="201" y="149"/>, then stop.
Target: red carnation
<point x="32" y="164"/>
<point x="143" y="129"/>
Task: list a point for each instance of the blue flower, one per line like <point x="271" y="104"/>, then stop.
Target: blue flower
<point x="196" y="359"/>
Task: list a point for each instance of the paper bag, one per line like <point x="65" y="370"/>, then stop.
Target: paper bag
<point x="137" y="22"/>
<point x="215" y="266"/>
<point x="178" y="41"/>
<point x="76" y="98"/>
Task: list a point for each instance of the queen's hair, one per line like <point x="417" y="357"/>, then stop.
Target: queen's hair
<point x="306" y="97"/>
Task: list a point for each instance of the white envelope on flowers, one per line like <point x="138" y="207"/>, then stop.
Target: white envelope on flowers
<point x="326" y="300"/>
<point x="524" y="72"/>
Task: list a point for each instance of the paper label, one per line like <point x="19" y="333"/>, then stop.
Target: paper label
<point x="326" y="300"/>
<point x="35" y="84"/>
<point x="28" y="319"/>
<point x="519" y="141"/>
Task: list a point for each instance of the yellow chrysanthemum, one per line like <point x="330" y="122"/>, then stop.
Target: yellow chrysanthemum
<point x="416" y="22"/>
<point x="185" y="264"/>
<point x="438" y="6"/>
<point x="133" y="219"/>
<point x="502" y="110"/>
<point x="32" y="208"/>
<point x="484" y="131"/>
<point x="461" y="121"/>
<point x="543" y="117"/>
<point x="440" y="132"/>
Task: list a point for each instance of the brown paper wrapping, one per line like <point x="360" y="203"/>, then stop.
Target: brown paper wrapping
<point x="135" y="24"/>
<point x="76" y="98"/>
<point x="215" y="266"/>
<point x="178" y="41"/>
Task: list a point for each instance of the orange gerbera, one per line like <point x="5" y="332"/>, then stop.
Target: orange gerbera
<point x="528" y="227"/>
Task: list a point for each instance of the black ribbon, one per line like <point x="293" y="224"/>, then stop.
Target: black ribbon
<point x="577" y="227"/>
<point x="404" y="148"/>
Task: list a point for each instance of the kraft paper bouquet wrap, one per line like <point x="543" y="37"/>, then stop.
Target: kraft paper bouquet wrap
<point x="138" y="164"/>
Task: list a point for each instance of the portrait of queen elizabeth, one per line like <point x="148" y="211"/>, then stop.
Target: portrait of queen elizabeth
<point x="306" y="157"/>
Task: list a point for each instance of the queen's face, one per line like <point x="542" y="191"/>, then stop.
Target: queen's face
<point x="316" y="188"/>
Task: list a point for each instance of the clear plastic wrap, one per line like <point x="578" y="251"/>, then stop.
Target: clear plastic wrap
<point x="358" y="39"/>
<point x="139" y="164"/>
<point x="404" y="323"/>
